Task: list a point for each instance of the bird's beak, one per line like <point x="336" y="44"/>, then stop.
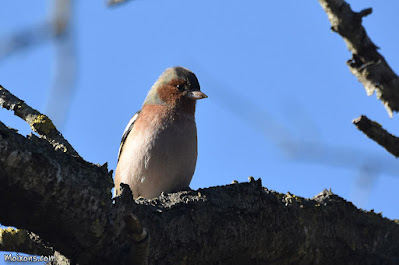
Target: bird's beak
<point x="196" y="95"/>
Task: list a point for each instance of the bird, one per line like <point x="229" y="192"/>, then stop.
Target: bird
<point x="158" y="150"/>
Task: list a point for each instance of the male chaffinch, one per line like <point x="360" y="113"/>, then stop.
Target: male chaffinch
<point x="158" y="151"/>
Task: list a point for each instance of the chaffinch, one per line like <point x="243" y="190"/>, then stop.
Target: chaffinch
<point x="158" y="151"/>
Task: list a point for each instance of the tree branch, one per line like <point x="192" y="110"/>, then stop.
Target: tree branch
<point x="39" y="123"/>
<point x="19" y="240"/>
<point x="368" y="65"/>
<point x="247" y="224"/>
<point x="375" y="132"/>
<point x="67" y="201"/>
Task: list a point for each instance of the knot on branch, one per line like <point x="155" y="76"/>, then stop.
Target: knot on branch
<point x="137" y="232"/>
<point x="364" y="12"/>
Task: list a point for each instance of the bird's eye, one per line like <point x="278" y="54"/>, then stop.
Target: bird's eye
<point x="180" y="87"/>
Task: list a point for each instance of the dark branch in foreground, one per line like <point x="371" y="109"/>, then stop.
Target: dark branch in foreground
<point x="67" y="201"/>
<point x="375" y="132"/>
<point x="39" y="123"/>
<point x="368" y="65"/>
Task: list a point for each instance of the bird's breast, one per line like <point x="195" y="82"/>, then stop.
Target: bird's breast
<point x="160" y="156"/>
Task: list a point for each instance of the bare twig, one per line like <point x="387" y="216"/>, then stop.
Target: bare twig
<point x="39" y="123"/>
<point x="64" y="79"/>
<point x="375" y="131"/>
<point x="368" y="65"/>
<point x="37" y="34"/>
<point x="25" y="39"/>
<point x="116" y="2"/>
<point x="20" y="240"/>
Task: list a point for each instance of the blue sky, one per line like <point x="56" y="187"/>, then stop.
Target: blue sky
<point x="281" y="99"/>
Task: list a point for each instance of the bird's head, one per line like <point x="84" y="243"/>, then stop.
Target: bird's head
<point x="176" y="87"/>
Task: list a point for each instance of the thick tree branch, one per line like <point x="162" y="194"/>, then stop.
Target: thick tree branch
<point x="66" y="200"/>
<point x="375" y="132"/>
<point x="247" y="224"/>
<point x="39" y="123"/>
<point x="19" y="240"/>
<point x="368" y="65"/>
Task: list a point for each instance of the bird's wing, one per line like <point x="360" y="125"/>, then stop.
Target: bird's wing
<point x="128" y="128"/>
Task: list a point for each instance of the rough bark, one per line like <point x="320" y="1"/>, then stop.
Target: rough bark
<point x="67" y="201"/>
<point x="367" y="64"/>
<point x="19" y="240"/>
